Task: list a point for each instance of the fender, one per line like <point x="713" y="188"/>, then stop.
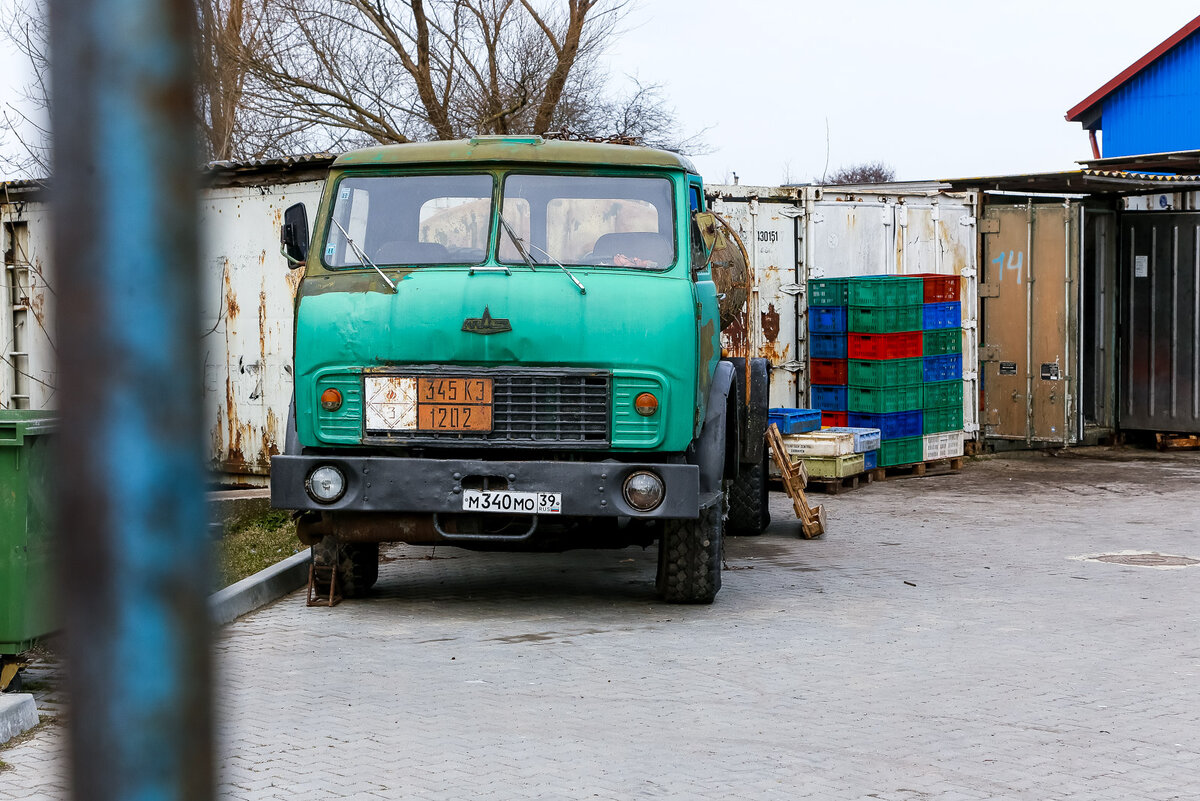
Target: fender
<point x="752" y="418"/>
<point x="715" y="450"/>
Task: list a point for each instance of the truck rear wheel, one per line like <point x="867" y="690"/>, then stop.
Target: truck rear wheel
<point x="749" y="512"/>
<point x="689" y="558"/>
<point x="357" y="565"/>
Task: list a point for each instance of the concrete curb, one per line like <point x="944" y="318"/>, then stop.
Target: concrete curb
<point x="18" y="714"/>
<point x="260" y="589"/>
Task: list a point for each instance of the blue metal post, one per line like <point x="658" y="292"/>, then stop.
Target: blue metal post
<point x="130" y="479"/>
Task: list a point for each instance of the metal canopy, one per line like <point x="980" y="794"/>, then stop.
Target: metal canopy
<point x="1179" y="161"/>
<point x="1080" y="182"/>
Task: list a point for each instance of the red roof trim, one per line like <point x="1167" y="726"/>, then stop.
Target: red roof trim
<point x="1133" y="69"/>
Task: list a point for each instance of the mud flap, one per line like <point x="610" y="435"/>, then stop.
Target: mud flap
<point x="752" y="417"/>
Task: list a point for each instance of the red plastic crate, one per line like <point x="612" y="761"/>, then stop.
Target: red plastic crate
<point x="827" y="371"/>
<point x="906" y="345"/>
<point x="833" y="419"/>
<point x="940" y="288"/>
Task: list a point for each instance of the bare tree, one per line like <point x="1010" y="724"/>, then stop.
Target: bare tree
<point x="395" y="71"/>
<point x="230" y="130"/>
<point x="867" y="172"/>
<point x="25" y="27"/>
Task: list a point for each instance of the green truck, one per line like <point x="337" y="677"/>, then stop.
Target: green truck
<point x="514" y="343"/>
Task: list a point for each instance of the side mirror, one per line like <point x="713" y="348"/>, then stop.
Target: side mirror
<point x="710" y="230"/>
<point x="294" y="235"/>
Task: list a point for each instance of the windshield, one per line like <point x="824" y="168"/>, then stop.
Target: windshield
<point x="407" y="220"/>
<point x="588" y="220"/>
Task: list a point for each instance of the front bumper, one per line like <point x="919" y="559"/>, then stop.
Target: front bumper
<point x="390" y="484"/>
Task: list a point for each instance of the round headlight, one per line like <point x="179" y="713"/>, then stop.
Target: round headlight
<point x="326" y="484"/>
<point x="644" y="490"/>
<point x="645" y="404"/>
<point x="331" y="400"/>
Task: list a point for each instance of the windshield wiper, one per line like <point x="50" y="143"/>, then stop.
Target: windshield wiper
<point x="561" y="266"/>
<point x="516" y="240"/>
<point x="363" y="257"/>
<point x="521" y="243"/>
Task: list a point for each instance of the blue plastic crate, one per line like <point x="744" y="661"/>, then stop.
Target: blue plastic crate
<point x="865" y="439"/>
<point x="828" y="398"/>
<point x="941" y="315"/>
<point x="827" y="319"/>
<point x="870" y="460"/>
<point x="943" y="368"/>
<point x="827" y="346"/>
<point x="795" y="421"/>
<point x="892" y="425"/>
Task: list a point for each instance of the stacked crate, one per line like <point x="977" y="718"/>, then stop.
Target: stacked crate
<point x="885" y="364"/>
<point x="942" y="398"/>
<point x="827" y="335"/>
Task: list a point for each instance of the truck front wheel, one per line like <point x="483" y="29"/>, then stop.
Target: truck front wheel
<point x="689" y="558"/>
<point x="749" y="513"/>
<point x="357" y="565"/>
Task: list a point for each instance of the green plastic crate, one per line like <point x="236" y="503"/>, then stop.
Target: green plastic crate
<point x="907" y="450"/>
<point x="884" y="372"/>
<point x="937" y="394"/>
<point x="828" y="291"/>
<point x="886" y="290"/>
<point x="885" y="319"/>
<point x="944" y="418"/>
<point x="881" y="400"/>
<point x="940" y="342"/>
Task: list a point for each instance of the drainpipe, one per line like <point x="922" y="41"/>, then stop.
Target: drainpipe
<point x="1095" y="146"/>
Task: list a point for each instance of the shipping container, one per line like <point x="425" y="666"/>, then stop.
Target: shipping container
<point x="798" y="237"/>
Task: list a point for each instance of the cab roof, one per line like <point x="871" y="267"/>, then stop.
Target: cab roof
<point x="523" y="149"/>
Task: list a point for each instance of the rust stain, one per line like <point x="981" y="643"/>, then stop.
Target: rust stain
<point x="706" y="343"/>
<point x="271" y="435"/>
<point x="262" y="322"/>
<point x="231" y="304"/>
<point x="770" y="323"/>
<point x="734" y="338"/>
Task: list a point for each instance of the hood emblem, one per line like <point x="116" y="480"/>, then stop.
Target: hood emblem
<point x="487" y="324"/>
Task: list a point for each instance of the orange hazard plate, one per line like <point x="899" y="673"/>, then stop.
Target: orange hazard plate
<point x="454" y="404"/>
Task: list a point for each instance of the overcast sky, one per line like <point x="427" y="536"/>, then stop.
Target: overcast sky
<point x="937" y="89"/>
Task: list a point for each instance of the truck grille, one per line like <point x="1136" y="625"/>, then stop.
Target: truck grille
<point x="532" y="407"/>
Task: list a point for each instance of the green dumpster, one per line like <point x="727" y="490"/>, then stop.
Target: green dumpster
<point x="26" y="563"/>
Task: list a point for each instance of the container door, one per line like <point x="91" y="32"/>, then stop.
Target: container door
<point x="1160" y="322"/>
<point x="1030" y="264"/>
<point x="770" y="230"/>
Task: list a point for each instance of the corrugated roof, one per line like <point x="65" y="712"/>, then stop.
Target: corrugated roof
<point x="1081" y="182"/>
<point x="1095" y="98"/>
<point x="1177" y="161"/>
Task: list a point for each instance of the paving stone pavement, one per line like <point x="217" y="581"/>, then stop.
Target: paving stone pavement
<point x="940" y="642"/>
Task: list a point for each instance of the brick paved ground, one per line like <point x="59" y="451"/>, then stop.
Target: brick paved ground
<point x="939" y="643"/>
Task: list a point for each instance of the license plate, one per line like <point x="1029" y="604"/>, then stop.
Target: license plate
<point x="428" y="403"/>
<point x="508" y="502"/>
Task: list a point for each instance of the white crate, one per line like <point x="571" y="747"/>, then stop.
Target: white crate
<point x="819" y="443"/>
<point x="943" y="446"/>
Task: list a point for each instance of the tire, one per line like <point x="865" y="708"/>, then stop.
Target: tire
<point x="689" y="554"/>
<point x="357" y="565"/>
<point x="749" y="510"/>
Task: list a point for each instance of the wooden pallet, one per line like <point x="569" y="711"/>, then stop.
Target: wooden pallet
<point x="834" y="486"/>
<point x="1177" y="442"/>
<point x="916" y="468"/>
<point x="795" y="479"/>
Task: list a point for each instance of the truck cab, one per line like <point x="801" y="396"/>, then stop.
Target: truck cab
<point x="514" y="343"/>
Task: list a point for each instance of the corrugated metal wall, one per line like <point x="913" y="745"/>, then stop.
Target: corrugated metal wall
<point x="1157" y="110"/>
<point x="1160" y="322"/>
